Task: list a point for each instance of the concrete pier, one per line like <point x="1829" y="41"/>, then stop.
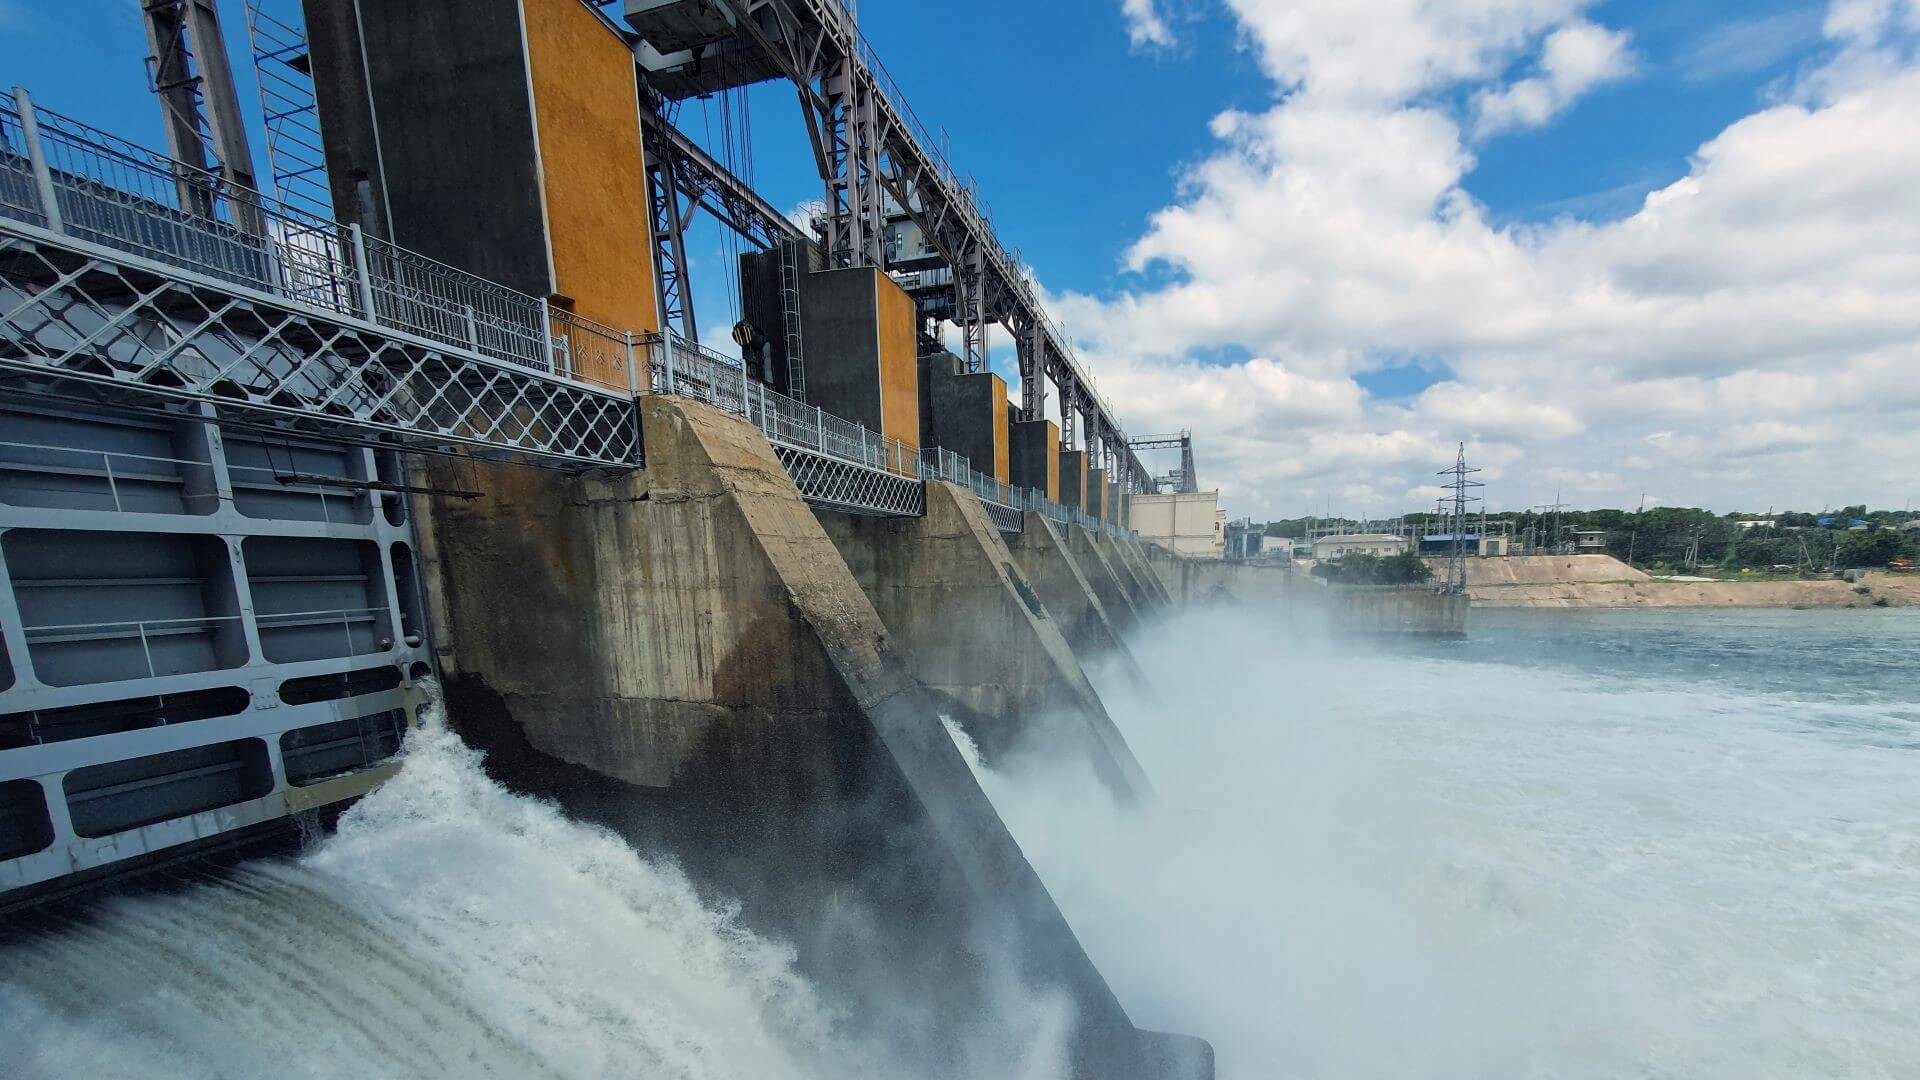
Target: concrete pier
<point x="976" y="632"/>
<point x="1145" y="592"/>
<point x="1136" y="557"/>
<point x="681" y="655"/>
<point x="1114" y="595"/>
<point x="1034" y="453"/>
<point x="1073" y="479"/>
<point x="1041" y="552"/>
<point x="1145" y="600"/>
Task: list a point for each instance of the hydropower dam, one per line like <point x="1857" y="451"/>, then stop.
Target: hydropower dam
<point x="420" y="411"/>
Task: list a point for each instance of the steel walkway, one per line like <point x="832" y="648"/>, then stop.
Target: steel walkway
<point x="129" y="279"/>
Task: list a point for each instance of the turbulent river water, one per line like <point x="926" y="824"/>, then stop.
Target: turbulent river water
<point x="1636" y="844"/>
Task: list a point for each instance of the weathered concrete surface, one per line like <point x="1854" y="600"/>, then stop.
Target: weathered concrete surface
<point x="1396" y="611"/>
<point x="1041" y="552"/>
<point x="1107" y="584"/>
<point x="1602" y="581"/>
<point x="1129" y="549"/>
<point x="1146" y="598"/>
<point x="682" y="656"/>
<point x="1654" y="593"/>
<point x="1337" y="609"/>
<point x="977" y="634"/>
<point x="1543" y="570"/>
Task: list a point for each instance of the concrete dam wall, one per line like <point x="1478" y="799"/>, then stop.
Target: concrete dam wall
<point x="691" y="657"/>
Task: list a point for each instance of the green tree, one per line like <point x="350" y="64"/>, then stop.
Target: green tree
<point x="1405" y="568"/>
<point x="1874" y="547"/>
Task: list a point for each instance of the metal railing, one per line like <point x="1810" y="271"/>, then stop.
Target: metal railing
<point x="146" y="631"/>
<point x="72" y="179"/>
<point x="682" y="367"/>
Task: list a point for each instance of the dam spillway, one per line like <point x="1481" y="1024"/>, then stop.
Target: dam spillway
<point x="272" y="482"/>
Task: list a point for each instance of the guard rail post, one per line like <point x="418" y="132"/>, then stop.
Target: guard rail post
<point x="363" y="269"/>
<point x="37" y="161"/>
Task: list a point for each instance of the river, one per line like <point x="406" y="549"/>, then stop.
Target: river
<point x="1578" y="844"/>
<point x="1608" y="844"/>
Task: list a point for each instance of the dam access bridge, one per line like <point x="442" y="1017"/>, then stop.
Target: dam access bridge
<point x="179" y="349"/>
<point x="269" y="463"/>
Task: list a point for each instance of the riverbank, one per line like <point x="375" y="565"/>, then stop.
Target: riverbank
<point x="1602" y="581"/>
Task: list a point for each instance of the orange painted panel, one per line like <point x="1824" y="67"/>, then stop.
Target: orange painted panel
<point x="899" y="362"/>
<point x="1002" y="462"/>
<point x="592" y="171"/>
<point x="1053" y="461"/>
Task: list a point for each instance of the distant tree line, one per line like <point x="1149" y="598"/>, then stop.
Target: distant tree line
<point x="1671" y="538"/>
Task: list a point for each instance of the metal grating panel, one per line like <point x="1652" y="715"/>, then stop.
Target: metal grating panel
<point x="136" y="331"/>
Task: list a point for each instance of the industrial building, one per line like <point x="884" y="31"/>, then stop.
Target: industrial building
<point x="1380" y="544"/>
<point x="1186" y="523"/>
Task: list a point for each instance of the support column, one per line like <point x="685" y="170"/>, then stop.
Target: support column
<point x="977" y="634"/>
<point x="1032" y="346"/>
<point x="1073" y="478"/>
<point x="1113" y="594"/>
<point x="855" y="235"/>
<point x="680" y="655"/>
<point x="1041" y="553"/>
<point x="1144" y="598"/>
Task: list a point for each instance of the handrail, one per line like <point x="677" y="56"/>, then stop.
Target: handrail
<point x="74" y="179"/>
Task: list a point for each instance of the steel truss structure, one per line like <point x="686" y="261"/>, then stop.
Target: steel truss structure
<point x="131" y="280"/>
<point x="681" y="179"/>
<point x="870" y="150"/>
<point x="1181" y="480"/>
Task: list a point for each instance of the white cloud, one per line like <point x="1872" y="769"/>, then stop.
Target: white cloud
<point x="1751" y="44"/>
<point x="1748" y="335"/>
<point x="1576" y="58"/>
<point x="1146" y="27"/>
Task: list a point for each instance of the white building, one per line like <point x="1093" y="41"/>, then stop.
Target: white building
<point x="1189" y="524"/>
<point x="1382" y="544"/>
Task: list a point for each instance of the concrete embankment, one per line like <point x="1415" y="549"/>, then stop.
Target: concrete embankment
<point x="1056" y="575"/>
<point x="1339" y="609"/>
<point x="1653" y="593"/>
<point x="1543" y="570"/>
<point x="1601" y="581"/>
<point x="682" y="655"/>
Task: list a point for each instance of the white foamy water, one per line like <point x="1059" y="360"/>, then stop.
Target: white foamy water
<point x="450" y="929"/>
<point x="1655" y="845"/>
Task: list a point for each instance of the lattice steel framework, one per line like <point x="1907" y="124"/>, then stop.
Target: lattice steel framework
<point x="1181" y="479"/>
<point x="869" y="146"/>
<point x="836" y="484"/>
<point x="130" y="332"/>
<point x="1005" y="518"/>
<point x="133" y="280"/>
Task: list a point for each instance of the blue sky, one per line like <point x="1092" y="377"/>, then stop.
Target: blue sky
<point x="1330" y="318"/>
<point x="1075" y="136"/>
